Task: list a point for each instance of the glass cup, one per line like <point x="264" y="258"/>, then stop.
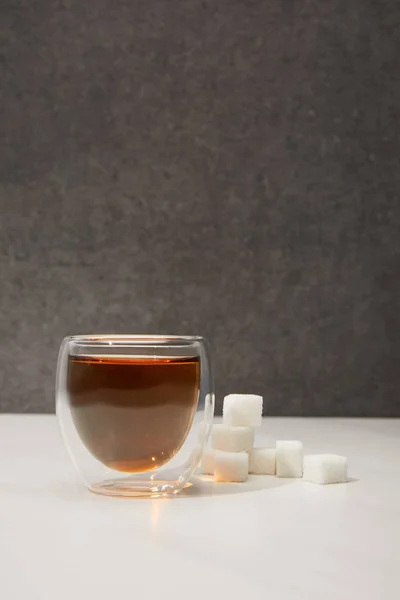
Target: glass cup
<point x="135" y="411"/>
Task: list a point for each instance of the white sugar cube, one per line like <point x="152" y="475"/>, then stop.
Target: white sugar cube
<point x="242" y="410"/>
<point x="325" y="468"/>
<point x="231" y="466"/>
<point x="262" y="461"/>
<point x="289" y="458"/>
<point x="232" y="439"/>
<point x="207" y="462"/>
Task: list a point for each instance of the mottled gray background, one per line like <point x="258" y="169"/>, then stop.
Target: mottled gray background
<point x="226" y="168"/>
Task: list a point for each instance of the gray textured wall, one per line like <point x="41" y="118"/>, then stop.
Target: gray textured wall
<point x="223" y="168"/>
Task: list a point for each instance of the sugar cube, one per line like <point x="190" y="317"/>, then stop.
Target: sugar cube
<point x="231" y="466"/>
<point x="325" y="468"/>
<point x="242" y="410"/>
<point x="232" y="439"/>
<point x="289" y="458"/>
<point x="207" y="462"/>
<point x="262" y="461"/>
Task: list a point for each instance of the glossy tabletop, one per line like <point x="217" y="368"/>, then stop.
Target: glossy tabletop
<point x="269" y="538"/>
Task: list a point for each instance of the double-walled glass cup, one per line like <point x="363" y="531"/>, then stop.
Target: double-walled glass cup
<point x="135" y="411"/>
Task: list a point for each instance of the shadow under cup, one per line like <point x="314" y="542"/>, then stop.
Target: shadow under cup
<point x="129" y="406"/>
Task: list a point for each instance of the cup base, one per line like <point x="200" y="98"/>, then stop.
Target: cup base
<point x="139" y="488"/>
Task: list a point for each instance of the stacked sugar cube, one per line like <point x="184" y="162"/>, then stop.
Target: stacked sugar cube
<point x="232" y="443"/>
<point x="232" y="455"/>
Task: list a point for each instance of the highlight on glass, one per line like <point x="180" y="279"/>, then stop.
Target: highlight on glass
<point x="135" y="411"/>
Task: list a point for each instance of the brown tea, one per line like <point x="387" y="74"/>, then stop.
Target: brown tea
<point x="132" y="413"/>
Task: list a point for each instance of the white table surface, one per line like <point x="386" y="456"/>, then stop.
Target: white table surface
<point x="275" y="539"/>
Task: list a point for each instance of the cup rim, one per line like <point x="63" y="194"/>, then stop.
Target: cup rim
<point x="125" y="339"/>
